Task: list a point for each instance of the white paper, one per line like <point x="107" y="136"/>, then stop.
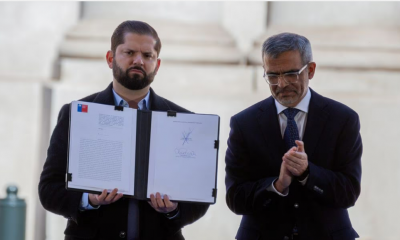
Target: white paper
<point x="102" y="147"/>
<point x="182" y="162"/>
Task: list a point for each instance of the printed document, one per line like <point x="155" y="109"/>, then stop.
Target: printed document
<point x="182" y="162"/>
<point x="102" y="144"/>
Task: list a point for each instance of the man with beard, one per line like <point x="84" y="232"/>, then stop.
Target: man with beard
<point x="135" y="47"/>
<point x="293" y="163"/>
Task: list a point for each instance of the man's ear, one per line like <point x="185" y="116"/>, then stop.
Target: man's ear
<point x="109" y="58"/>
<point x="311" y="69"/>
<point x="158" y="64"/>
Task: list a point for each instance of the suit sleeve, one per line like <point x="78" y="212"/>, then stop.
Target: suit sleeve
<point x="245" y="194"/>
<point x="340" y="186"/>
<point x="52" y="193"/>
<point x="188" y="214"/>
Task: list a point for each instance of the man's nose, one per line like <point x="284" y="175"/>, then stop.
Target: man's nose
<point x="138" y="60"/>
<point x="282" y="81"/>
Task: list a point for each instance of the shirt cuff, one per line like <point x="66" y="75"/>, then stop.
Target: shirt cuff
<point x="85" y="205"/>
<point x="304" y="181"/>
<point x="271" y="188"/>
<point x="173" y="214"/>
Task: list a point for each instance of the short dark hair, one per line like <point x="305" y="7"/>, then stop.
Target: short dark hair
<point x="132" y="26"/>
<point x="283" y="42"/>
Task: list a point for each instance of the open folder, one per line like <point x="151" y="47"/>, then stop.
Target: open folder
<point x="143" y="152"/>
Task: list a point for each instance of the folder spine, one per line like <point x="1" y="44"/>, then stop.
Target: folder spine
<point x="143" y="133"/>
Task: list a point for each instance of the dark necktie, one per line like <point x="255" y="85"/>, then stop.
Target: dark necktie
<point x="291" y="132"/>
<point x="144" y="107"/>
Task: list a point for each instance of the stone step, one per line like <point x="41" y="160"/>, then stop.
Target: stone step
<point x="187" y="80"/>
<point x="348" y="82"/>
<point x="362" y="49"/>
<point x="181" y="42"/>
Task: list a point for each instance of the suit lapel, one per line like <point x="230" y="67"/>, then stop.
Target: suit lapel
<point x="157" y="103"/>
<point x="106" y="96"/>
<point x="316" y="120"/>
<point x="269" y="125"/>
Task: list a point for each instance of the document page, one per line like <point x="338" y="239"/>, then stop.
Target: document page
<point x="183" y="160"/>
<point x="102" y="145"/>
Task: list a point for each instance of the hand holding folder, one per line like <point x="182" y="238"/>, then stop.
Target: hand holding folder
<point x="162" y="205"/>
<point x="104" y="198"/>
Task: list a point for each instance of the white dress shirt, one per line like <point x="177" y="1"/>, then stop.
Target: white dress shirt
<point x="301" y="120"/>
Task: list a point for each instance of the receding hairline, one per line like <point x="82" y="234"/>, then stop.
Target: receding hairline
<point x="280" y="43"/>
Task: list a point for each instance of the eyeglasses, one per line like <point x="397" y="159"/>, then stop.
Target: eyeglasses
<point x="290" y="77"/>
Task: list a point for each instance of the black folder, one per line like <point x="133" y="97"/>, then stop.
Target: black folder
<point x="191" y="161"/>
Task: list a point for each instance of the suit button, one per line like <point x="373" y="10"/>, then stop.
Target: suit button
<point x="296" y="205"/>
<point x="122" y="234"/>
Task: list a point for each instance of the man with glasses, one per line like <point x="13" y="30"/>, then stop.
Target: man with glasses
<point x="293" y="163"/>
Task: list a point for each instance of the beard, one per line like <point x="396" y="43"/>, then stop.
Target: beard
<point x="136" y="82"/>
<point x="287" y="100"/>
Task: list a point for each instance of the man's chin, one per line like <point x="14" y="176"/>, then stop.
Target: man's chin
<point x="135" y="88"/>
<point x="287" y="102"/>
<point x="133" y="84"/>
<point x="138" y="86"/>
<point x="136" y="75"/>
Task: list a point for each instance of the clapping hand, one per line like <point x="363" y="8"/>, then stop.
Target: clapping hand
<point x="296" y="159"/>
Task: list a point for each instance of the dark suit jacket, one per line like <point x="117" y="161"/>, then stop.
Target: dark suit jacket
<point x="319" y="209"/>
<point x="109" y="221"/>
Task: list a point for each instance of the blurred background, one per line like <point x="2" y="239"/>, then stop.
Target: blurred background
<point x="54" y="52"/>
